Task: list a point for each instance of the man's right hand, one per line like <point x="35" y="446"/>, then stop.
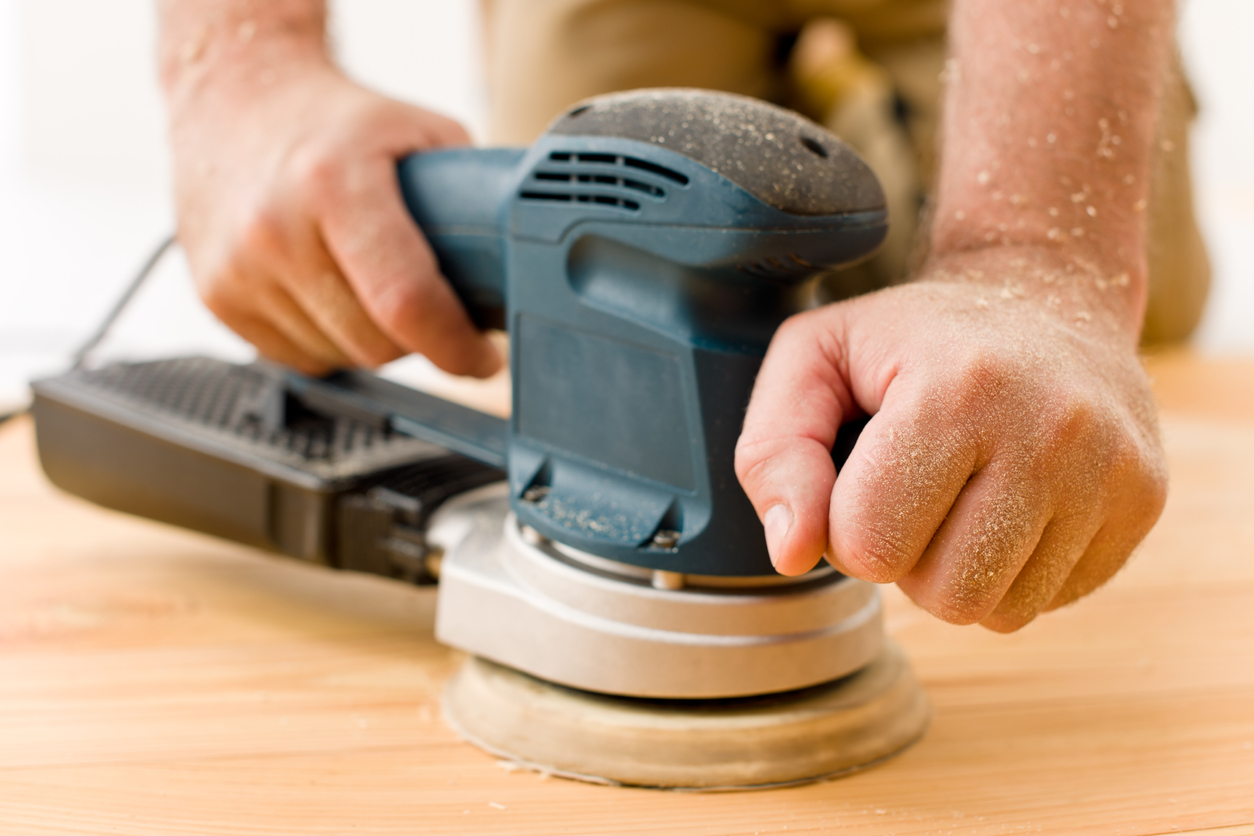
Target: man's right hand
<point x="294" y="226"/>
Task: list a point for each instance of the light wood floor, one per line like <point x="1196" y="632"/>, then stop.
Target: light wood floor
<point x="158" y="682"/>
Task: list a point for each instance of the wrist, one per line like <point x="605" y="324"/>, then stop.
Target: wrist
<point x="1092" y="296"/>
<point x="238" y="50"/>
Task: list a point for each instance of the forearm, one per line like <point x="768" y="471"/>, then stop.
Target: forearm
<point x="1049" y="127"/>
<point x="241" y="44"/>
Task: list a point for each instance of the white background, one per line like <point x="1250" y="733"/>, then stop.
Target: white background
<point x="84" y="182"/>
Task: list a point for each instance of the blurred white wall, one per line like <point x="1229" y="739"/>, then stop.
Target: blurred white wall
<point x="83" y="167"/>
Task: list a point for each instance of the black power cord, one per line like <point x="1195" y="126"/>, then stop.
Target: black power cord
<point x="80" y="355"/>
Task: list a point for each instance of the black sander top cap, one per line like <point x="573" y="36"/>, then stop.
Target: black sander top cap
<point x="780" y="157"/>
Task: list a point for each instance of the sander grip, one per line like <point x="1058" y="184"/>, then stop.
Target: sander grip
<point x="458" y="197"/>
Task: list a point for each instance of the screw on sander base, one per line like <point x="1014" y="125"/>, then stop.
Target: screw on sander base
<point x="667" y="580"/>
<point x="665" y="539"/>
<point x="532" y="537"/>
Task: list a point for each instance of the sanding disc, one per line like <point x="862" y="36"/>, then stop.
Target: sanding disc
<point x="743" y="743"/>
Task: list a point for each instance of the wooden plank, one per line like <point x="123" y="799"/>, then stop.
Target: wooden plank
<point x="154" y="681"/>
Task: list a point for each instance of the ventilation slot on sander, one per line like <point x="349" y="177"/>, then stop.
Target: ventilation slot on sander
<point x="784" y="268"/>
<point x="600" y="178"/>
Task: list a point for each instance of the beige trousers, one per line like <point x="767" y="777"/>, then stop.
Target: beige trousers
<point x="868" y="69"/>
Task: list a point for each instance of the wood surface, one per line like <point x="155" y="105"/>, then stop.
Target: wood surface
<point x="154" y="681"/>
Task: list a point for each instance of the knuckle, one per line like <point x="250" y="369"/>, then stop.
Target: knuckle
<point x="316" y="172"/>
<point x="1077" y="417"/>
<point x="797" y="329"/>
<point x="262" y="232"/>
<point x="1074" y="423"/>
<point x="793" y="328"/>
<point x="751" y="458"/>
<point x="403" y="307"/>
<point x="220" y="292"/>
<point x="791" y="469"/>
<point x="875" y="553"/>
<point x="985" y="374"/>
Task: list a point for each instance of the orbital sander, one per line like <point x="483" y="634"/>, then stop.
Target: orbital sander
<point x="595" y="552"/>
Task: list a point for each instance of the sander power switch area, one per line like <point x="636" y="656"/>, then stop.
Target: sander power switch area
<point x="640" y="256"/>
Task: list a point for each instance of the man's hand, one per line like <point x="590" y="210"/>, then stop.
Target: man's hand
<point x="288" y="202"/>
<point x="1012" y="461"/>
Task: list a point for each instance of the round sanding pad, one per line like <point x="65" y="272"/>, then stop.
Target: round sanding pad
<point x="743" y="743"/>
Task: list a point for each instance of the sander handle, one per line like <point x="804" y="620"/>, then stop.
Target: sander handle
<point x="459" y="198"/>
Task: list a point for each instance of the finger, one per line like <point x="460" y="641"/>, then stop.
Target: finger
<point x="330" y="304"/>
<point x="1061" y="545"/>
<point x="394" y="272"/>
<point x="1133" y="512"/>
<point x="907" y="469"/>
<point x="403" y="129"/>
<point x="289" y="319"/>
<point x="989" y="534"/>
<point x="273" y="345"/>
<point x="783" y="457"/>
<point x="1104" y="557"/>
<point x="442" y="132"/>
<point x="1108" y="551"/>
<point x="253" y="305"/>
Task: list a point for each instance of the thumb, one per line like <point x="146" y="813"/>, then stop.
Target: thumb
<point x="783" y="457"/>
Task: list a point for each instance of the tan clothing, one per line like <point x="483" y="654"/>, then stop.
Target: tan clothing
<point x="868" y="69"/>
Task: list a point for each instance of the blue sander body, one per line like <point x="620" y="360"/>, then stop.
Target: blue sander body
<point x="641" y="255"/>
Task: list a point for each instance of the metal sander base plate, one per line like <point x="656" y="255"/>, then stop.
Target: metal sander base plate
<point x="589" y="623"/>
<point x="734" y="744"/>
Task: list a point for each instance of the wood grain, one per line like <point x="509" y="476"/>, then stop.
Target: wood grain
<point x="154" y="681"/>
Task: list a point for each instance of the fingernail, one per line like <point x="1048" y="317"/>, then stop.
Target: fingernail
<point x="777" y="522"/>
